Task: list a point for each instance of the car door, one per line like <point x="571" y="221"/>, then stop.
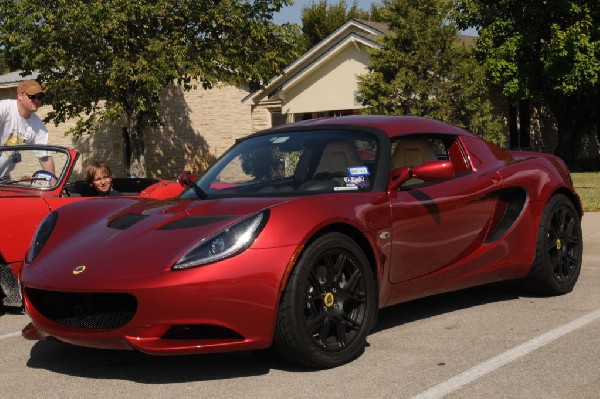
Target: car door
<point x="434" y="224"/>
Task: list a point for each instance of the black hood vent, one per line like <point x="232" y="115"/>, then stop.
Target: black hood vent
<point x="125" y="221"/>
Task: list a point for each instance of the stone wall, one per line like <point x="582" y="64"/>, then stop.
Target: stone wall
<point x="198" y="127"/>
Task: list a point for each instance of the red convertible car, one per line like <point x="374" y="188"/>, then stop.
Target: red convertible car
<point x="297" y="236"/>
<point x="28" y="194"/>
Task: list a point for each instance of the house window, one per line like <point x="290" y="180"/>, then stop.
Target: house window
<point x="277" y="118"/>
<point x="358" y="98"/>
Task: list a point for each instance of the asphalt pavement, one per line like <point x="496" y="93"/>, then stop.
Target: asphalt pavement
<point x="486" y="342"/>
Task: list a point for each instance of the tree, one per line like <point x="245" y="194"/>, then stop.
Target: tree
<point x="107" y="60"/>
<point x="3" y="67"/>
<point x="424" y="69"/>
<point x="321" y="19"/>
<point x="544" y="49"/>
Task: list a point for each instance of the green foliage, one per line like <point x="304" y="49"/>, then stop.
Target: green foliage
<point x="270" y="162"/>
<point x="260" y="163"/>
<point x="319" y="19"/>
<point x="3" y="67"/>
<point x="547" y="50"/>
<point x="108" y="59"/>
<point x="422" y="69"/>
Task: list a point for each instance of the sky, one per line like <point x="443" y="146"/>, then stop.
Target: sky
<point x="293" y="13"/>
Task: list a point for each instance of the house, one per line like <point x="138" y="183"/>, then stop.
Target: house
<point x="200" y="125"/>
<point x="322" y="82"/>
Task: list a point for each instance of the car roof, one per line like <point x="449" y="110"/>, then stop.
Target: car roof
<point x="391" y="125"/>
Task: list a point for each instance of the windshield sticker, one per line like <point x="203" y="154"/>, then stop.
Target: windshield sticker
<point x="349" y="188"/>
<point x="355" y="181"/>
<point x="358" y="171"/>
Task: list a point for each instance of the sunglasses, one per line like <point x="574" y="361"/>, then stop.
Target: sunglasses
<point x="35" y="97"/>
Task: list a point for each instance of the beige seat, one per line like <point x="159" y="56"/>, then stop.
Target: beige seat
<point x="333" y="167"/>
<point x="412" y="152"/>
<point x="337" y="157"/>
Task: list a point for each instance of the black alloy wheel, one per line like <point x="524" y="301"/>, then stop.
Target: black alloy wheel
<point x="329" y="304"/>
<point x="559" y="249"/>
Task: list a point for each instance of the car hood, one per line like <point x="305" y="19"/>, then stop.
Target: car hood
<point x="127" y="237"/>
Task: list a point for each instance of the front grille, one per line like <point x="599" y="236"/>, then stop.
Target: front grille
<point x="9" y="288"/>
<point x="99" y="311"/>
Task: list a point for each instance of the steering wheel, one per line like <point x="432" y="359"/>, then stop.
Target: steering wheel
<point x="328" y="175"/>
<point x="42" y="178"/>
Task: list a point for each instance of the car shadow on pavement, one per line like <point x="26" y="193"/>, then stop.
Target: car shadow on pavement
<point x="435" y="305"/>
<point x="135" y="366"/>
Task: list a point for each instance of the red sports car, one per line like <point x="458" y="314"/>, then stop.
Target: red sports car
<point x="28" y="194"/>
<point x="298" y="235"/>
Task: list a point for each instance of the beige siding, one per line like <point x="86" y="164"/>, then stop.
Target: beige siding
<point x="261" y="117"/>
<point x="332" y="86"/>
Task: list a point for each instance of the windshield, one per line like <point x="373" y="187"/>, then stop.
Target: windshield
<point x="21" y="166"/>
<point x="294" y="163"/>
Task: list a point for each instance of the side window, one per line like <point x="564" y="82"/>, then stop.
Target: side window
<point x="415" y="150"/>
<point x="458" y="158"/>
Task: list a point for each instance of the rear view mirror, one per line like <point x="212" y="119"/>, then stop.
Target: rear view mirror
<point x="187" y="179"/>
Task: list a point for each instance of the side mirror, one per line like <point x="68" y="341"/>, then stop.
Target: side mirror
<point x="427" y="171"/>
<point x="433" y="171"/>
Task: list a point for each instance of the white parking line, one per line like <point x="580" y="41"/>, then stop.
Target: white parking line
<point x="10" y="335"/>
<point x="487" y="367"/>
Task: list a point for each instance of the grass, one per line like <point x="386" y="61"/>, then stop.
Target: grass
<point x="587" y="185"/>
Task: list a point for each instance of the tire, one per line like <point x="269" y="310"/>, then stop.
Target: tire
<point x="559" y="249"/>
<point x="329" y="304"/>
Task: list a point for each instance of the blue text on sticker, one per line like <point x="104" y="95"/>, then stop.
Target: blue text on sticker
<point x="358" y="171"/>
<point x="357" y="181"/>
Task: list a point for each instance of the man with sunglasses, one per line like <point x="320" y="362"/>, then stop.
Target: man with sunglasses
<point x="19" y="124"/>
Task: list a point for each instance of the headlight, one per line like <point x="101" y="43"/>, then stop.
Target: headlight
<point x="224" y="244"/>
<point x="41" y="235"/>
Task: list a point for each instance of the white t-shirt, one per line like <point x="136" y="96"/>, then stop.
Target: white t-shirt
<point x="14" y="129"/>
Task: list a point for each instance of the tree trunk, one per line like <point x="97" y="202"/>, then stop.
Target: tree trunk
<point x="513" y="126"/>
<point x="574" y="120"/>
<point x="136" y="144"/>
<point x="525" y="124"/>
<point x="569" y="142"/>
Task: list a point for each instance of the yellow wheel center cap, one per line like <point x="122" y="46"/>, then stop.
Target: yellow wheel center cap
<point x="79" y="269"/>
<point x="329" y="299"/>
<point x="558" y="244"/>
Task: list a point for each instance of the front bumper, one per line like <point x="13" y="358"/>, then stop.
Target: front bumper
<point x="227" y="306"/>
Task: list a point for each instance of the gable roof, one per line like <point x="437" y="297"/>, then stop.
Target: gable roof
<point x="13" y="79"/>
<point x="353" y="32"/>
